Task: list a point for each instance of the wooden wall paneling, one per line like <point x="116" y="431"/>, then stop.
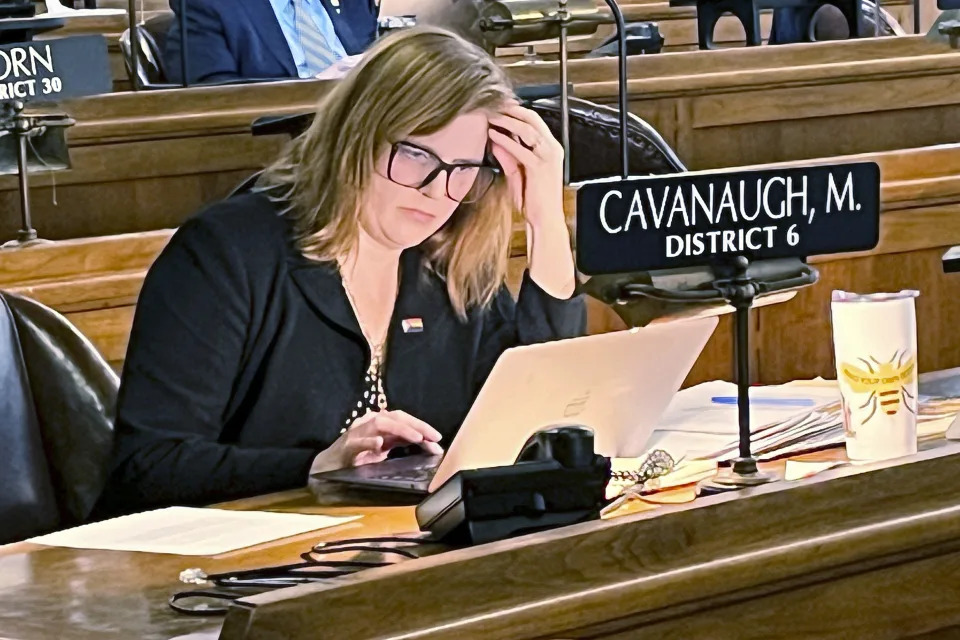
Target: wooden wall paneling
<point x="747" y="110"/>
<point x="908" y="256"/>
<point x="716" y="361"/>
<point x="782" y="57"/>
<point x="790" y="340"/>
<point x="683" y="139"/>
<point x="145" y="5"/>
<point x="838" y="96"/>
<point x="93" y="282"/>
<point x="802" y="138"/>
<point x="135" y="186"/>
<point x="121" y="207"/>
<point x="108" y="330"/>
<point x="176" y="113"/>
<point x="804" y="323"/>
<point x="109" y="268"/>
<point x="128" y="148"/>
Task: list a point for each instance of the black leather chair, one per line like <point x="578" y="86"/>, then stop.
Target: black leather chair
<point x="818" y="23"/>
<point x="57" y="396"/>
<point x="594" y="140"/>
<point x="152" y="35"/>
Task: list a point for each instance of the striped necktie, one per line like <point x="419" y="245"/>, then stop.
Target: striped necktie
<point x="318" y="54"/>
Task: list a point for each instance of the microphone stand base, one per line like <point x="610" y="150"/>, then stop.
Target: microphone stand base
<point x="22" y="242"/>
<point x="742" y="474"/>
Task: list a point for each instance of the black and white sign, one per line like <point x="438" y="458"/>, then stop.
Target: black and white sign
<point x="696" y="219"/>
<point x="52" y="70"/>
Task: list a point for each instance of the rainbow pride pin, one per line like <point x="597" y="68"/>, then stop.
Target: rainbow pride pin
<point x="412" y="325"/>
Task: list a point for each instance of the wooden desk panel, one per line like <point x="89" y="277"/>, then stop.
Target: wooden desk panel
<point x="72" y="594"/>
<point x="836" y="547"/>
<point x="96" y="281"/>
<point x="777" y="549"/>
<point x="137" y="156"/>
<point x="759" y="105"/>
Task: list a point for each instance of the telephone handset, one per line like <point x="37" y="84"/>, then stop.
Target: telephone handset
<point x="557" y="480"/>
<point x="571" y="446"/>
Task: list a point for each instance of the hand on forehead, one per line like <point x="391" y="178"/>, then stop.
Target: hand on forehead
<point x="464" y="139"/>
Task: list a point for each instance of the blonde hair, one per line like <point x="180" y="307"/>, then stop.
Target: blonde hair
<point x="413" y="82"/>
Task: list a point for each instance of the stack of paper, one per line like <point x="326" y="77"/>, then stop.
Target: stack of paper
<point x="804" y="433"/>
<point x="785" y="420"/>
<point x="702" y="421"/>
<point x="188" y="531"/>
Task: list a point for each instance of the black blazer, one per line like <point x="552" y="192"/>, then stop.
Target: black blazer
<point x="246" y="359"/>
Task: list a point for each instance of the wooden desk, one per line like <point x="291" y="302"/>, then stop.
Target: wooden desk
<point x="145" y="161"/>
<point x="759" y="105"/>
<point x="678" y="26"/>
<point x="93" y="595"/>
<point x="851" y="553"/>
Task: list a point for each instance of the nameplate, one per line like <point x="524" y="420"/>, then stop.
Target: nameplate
<point x="685" y="220"/>
<point x="52" y="70"/>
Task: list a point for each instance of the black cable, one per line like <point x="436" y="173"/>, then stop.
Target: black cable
<point x="184" y="56"/>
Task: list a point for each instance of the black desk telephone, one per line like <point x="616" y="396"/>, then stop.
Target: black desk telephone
<point x="557" y="480"/>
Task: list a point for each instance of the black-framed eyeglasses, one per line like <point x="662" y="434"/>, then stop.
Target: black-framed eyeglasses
<point x="416" y="167"/>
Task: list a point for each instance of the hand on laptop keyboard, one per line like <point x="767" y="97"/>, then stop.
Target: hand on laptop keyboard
<point x="371" y="437"/>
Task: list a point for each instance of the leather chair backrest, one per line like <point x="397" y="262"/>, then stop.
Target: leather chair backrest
<point x="28" y="504"/>
<point x="152" y="35"/>
<point x="828" y="23"/>
<point x="74" y="392"/>
<point x="595" y="141"/>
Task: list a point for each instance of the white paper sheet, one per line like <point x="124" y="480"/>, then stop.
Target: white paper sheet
<point x="187" y="531"/>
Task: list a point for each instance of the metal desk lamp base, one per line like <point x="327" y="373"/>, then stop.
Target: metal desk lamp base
<point x="29" y="130"/>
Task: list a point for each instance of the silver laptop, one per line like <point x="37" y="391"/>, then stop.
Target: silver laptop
<point x="617" y="384"/>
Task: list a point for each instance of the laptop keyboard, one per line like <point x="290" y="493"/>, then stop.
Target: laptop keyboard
<point x="415" y="474"/>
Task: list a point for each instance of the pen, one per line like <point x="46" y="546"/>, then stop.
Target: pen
<point x="780" y="402"/>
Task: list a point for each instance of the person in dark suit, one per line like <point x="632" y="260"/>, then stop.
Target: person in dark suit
<point x="354" y="303"/>
<point x="229" y="40"/>
<point x="796" y="24"/>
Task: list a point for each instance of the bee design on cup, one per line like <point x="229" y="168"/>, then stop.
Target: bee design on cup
<point x="884" y="381"/>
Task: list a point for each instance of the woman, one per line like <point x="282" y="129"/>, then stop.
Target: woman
<point x="355" y="302"/>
